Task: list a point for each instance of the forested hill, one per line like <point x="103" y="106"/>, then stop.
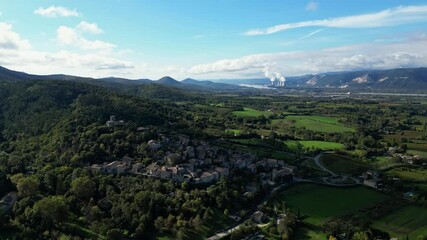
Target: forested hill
<point x="51" y="131"/>
<point x="128" y="85"/>
<point x="34" y="107"/>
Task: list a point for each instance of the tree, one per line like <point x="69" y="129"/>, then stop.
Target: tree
<point x="83" y="188"/>
<point x="27" y="186"/>
<point x="50" y="212"/>
<point x="360" y="236"/>
<point x="114" y="234"/>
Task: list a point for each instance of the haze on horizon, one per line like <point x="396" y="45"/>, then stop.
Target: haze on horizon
<point x="211" y="39"/>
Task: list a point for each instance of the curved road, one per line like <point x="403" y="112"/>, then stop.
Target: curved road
<point x="323" y="181"/>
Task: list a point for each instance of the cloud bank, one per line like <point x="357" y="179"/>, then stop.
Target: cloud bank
<point x="389" y="17"/>
<point x="410" y="52"/>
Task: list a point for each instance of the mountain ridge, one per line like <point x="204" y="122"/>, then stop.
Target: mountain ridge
<point x="391" y="79"/>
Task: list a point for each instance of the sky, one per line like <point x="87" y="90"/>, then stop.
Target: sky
<point x="210" y="39"/>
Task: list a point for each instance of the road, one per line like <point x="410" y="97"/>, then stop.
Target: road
<point x="323" y="181"/>
<point x="320" y="164"/>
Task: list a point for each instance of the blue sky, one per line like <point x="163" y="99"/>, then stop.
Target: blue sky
<point x="207" y="39"/>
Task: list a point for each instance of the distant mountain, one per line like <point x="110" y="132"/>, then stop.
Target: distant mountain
<point x="168" y="81"/>
<point x="6" y="74"/>
<point x="212" y="85"/>
<point x="249" y="81"/>
<point x="394" y="79"/>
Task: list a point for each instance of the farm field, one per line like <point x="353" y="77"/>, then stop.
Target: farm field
<point x="382" y="161"/>
<point x="341" y="164"/>
<point x="415" y="174"/>
<point x="331" y="202"/>
<point x="406" y="134"/>
<point x="323" y="145"/>
<point x="418" y="149"/>
<point x="410" y="220"/>
<point x="319" y="124"/>
<point x="234" y="131"/>
<point x="249" y="112"/>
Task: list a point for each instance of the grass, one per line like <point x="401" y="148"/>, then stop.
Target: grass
<point x="320" y="202"/>
<point x="419" y="149"/>
<point x="341" y="164"/>
<point x="382" y="161"/>
<point x="319" y="124"/>
<point x="83" y="231"/>
<point x="234" y="131"/>
<point x="323" y="145"/>
<point x="422" y="154"/>
<point x="410" y="220"/>
<point x="250" y="112"/>
<point x="305" y="233"/>
<point x="405" y="173"/>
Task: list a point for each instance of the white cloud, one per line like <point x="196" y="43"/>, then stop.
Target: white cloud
<point x="89" y="27"/>
<point x="407" y="53"/>
<point x="54" y="11"/>
<point x="74" y="37"/>
<point x="389" y="17"/>
<point x="16" y="53"/>
<point x="10" y="40"/>
<point x="311" y="6"/>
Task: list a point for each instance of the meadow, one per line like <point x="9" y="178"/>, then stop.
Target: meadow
<point x="319" y="124"/>
<point x="322" y="145"/>
<point x="319" y="202"/>
<point x="418" y="148"/>
<point x="382" y="161"/>
<point x="234" y="131"/>
<point x="410" y="220"/>
<point x="406" y="173"/>
<point x="250" y="112"/>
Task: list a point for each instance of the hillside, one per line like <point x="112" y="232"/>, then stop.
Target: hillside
<point x="394" y="79"/>
<point x="126" y="84"/>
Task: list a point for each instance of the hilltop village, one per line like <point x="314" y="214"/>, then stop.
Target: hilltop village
<point x="194" y="161"/>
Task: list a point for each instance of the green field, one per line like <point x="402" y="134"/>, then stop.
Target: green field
<point x="319" y="124"/>
<point x="409" y="220"/>
<point x="341" y="164"/>
<point x="323" y="145"/>
<point x="249" y="112"/>
<point x="319" y="202"/>
<point x="234" y="131"/>
<point x="416" y="174"/>
<point x="382" y="161"/>
<point x="419" y="149"/>
<point x="422" y="154"/>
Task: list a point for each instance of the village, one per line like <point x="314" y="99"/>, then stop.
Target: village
<point x="198" y="162"/>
